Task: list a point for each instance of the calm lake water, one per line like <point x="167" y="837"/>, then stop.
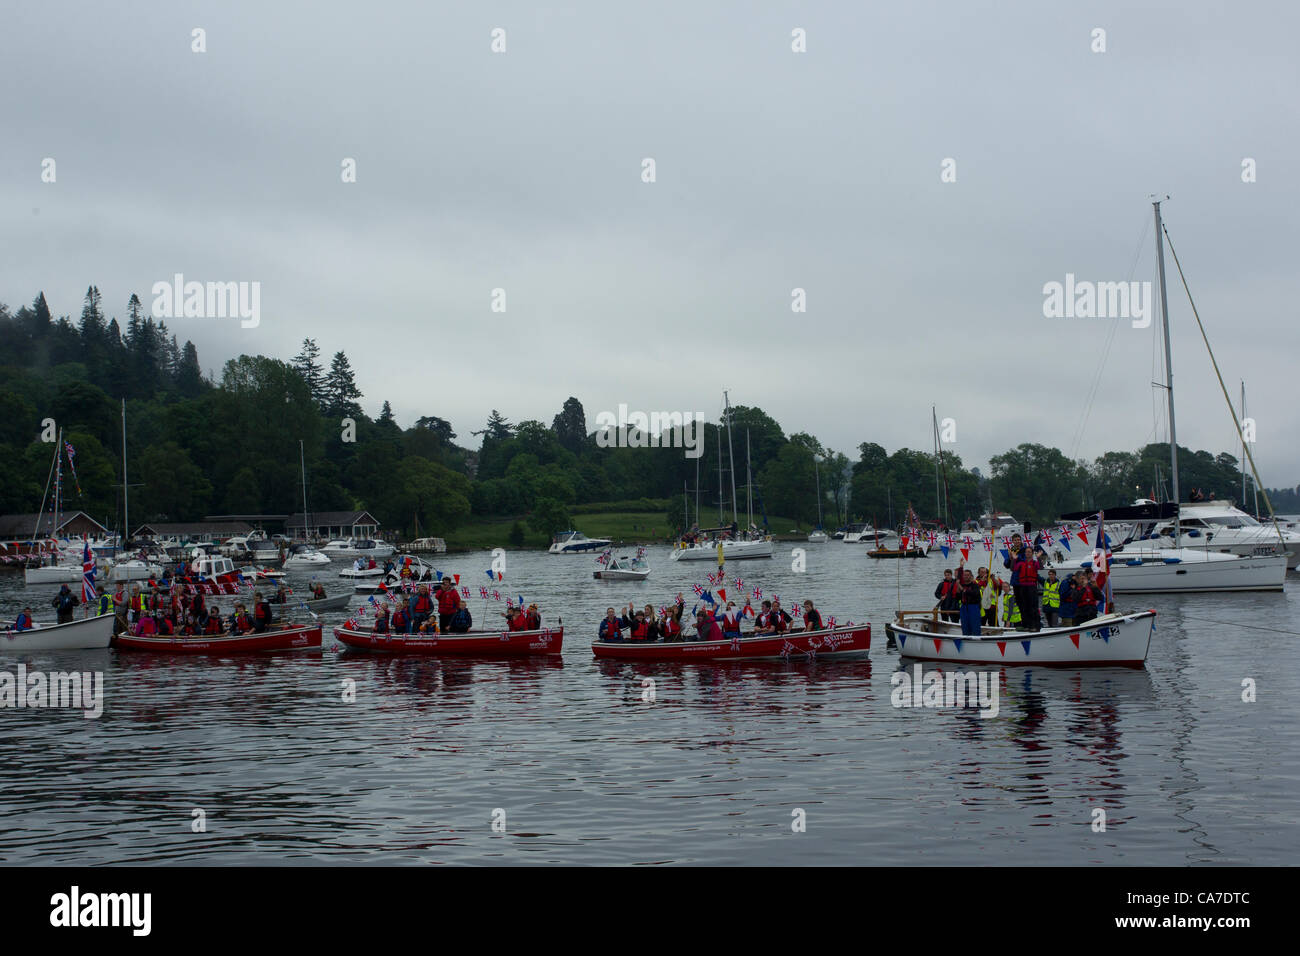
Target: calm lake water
<point x="712" y="771"/>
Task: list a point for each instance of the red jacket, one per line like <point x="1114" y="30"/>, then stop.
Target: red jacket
<point x="447" y="601"/>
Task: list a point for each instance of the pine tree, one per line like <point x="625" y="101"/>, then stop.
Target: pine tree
<point x="307" y="362"/>
<point x="340" y="389"/>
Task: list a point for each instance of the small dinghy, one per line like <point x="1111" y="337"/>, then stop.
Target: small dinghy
<point x="896" y="553"/>
<point x="1114" y="640"/>
<point x="473" y="644"/>
<point x="358" y="573"/>
<point x="847" y="641"/>
<point x="89" y="633"/>
<point x="336" y="602"/>
<point x="281" y="639"/>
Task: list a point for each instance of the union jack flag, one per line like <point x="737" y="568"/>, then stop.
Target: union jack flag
<point x="699" y="589"/>
<point x="988" y="543"/>
<point x="482" y="592"/>
<point x="464" y="592"/>
<point x="758" y="593"/>
<point x="830" y="621"/>
<point x="739" y="583"/>
<point x="496" y="595"/>
<point x="88" y="592"/>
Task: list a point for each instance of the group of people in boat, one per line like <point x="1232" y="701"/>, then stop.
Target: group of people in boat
<point x="711" y="624"/>
<point x="443" y="611"/>
<point x="1032" y="594"/>
<point x="167" y="612"/>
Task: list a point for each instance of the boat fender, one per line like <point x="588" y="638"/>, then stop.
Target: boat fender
<point x="1173" y="560"/>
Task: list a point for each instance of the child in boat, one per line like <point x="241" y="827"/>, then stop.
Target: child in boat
<point x="812" y="618"/>
<point x="262" y="616"/>
<point x="401" y="620"/>
<point x="706" y="628"/>
<point x="514" y="619"/>
<point x="670" y="625"/>
<point x="534" y="617"/>
<point x="240" y="623"/>
<point x="146" y="626"/>
<point x="381" y="621"/>
<point x="779" y="619"/>
<point x="24" y="620"/>
<point x="763" y="623"/>
<point x="731" y="622"/>
<point x="461" y="620"/>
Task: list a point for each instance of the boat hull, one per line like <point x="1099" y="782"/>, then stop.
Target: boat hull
<point x="620" y="574"/>
<point x="1115" y="640"/>
<point x="731" y="551"/>
<point x="839" y="642"/>
<point x="474" y="644"/>
<point x="53" y="574"/>
<point x="338" y="602"/>
<point x="284" y="639"/>
<point x="1195" y="571"/>
<point x="91" y="633"/>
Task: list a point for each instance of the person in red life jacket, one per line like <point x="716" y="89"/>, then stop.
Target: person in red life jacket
<point x="780" y="619"/>
<point x="146" y="626"/>
<point x="1087" y="597"/>
<point x="165" y="626"/>
<point x="670" y="626"/>
<point x="401" y="620"/>
<point x="24" y="620"/>
<point x="198" y="607"/>
<point x="213" y="623"/>
<point x="706" y="627"/>
<point x="532" y="616"/>
<point x="381" y="621"/>
<point x="1024" y="582"/>
<point x="640" y="627"/>
<point x="371" y="565"/>
<point x="446" y="603"/>
<point x="763" y="622"/>
<point x="972" y="599"/>
<point x="812" y="618"/>
<point x="731" y="621"/>
<point x="240" y="622"/>
<point x="948" y="594"/>
<point x="262" y="615"/>
<point x="611" y="627"/>
<point x="421" y="607"/>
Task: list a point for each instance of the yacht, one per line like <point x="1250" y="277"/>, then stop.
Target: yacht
<point x="1223" y="527"/>
<point x="304" y="556"/>
<point x="575" y="542"/>
<point x="358" y="548"/>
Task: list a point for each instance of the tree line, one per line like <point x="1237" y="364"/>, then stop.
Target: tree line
<point x="230" y="445"/>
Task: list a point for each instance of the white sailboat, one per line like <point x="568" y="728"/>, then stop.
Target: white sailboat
<point x="63" y="567"/>
<point x="817" y="535"/>
<point x="1145" y="567"/>
<point x="304" y="556"/>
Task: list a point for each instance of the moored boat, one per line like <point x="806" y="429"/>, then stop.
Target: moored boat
<point x="575" y="542"/>
<point x="909" y="552"/>
<point x="282" y="639"/>
<point x="851" y="640"/>
<point x="732" y="550"/>
<point x="547" y="640"/>
<point x="337" y="602"/>
<point x="622" y="569"/>
<point x="88" y="633"/>
<point x="1111" y="640"/>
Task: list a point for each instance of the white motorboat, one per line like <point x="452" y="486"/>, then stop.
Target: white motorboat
<point x="418" y="572"/>
<point x="134" y="569"/>
<point x="818" y="537"/>
<point x="575" y="542"/>
<point x="732" y="550"/>
<point x="358" y="547"/>
<point x="1115" y="640"/>
<point x="88" y="633"/>
<point x="254" y="573"/>
<point x="623" y="569"/>
<point x="353" y="571"/>
<point x="1220" y="526"/>
<point x="305" y="557"/>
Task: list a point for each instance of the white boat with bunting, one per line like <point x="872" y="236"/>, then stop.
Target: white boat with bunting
<point x="1110" y="640"/>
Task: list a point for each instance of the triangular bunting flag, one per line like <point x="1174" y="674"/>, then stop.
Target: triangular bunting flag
<point x="965" y="554"/>
<point x="944" y="549"/>
<point x="937" y="644"/>
<point x="1002" y="648"/>
<point x="1025" y="645"/>
<point x="902" y="641"/>
<point x="957" y="641"/>
<point x="1075" y="639"/>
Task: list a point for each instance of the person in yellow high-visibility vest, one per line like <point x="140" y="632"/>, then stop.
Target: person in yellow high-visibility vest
<point x="1010" y="609"/>
<point x="1051" y="598"/>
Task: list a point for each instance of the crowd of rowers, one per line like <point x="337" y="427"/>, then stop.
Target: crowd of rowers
<point x="1022" y="603"/>
<point x="166" y="612"/>
<point x="415" y="614"/>
<point x="710" y="624"/>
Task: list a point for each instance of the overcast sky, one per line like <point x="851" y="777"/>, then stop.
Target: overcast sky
<point x="774" y="170"/>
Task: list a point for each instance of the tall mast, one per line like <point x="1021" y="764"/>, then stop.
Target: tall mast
<point x="934" y="427"/>
<point x="58" y="487"/>
<point x="1243" y="444"/>
<point x="818" y="472"/>
<point x="731" y="459"/>
<point x="306" y="522"/>
<point x="126" y="492"/>
<point x="1169" y="372"/>
<point x="719" y="476"/>
<point x="697" y="494"/>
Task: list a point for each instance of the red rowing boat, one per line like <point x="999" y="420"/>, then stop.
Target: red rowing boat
<point x="285" y="639"/>
<point x="474" y="644"/>
<point x="846" y="641"/>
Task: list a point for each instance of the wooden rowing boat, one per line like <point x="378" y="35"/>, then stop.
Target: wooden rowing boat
<point x="844" y="641"/>
<point x="1114" y="640"/>
<point x="282" y="639"/>
<point x="90" y="633"/>
<point x="473" y="644"/>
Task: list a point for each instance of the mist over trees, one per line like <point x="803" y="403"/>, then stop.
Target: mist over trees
<point x="200" y="446"/>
